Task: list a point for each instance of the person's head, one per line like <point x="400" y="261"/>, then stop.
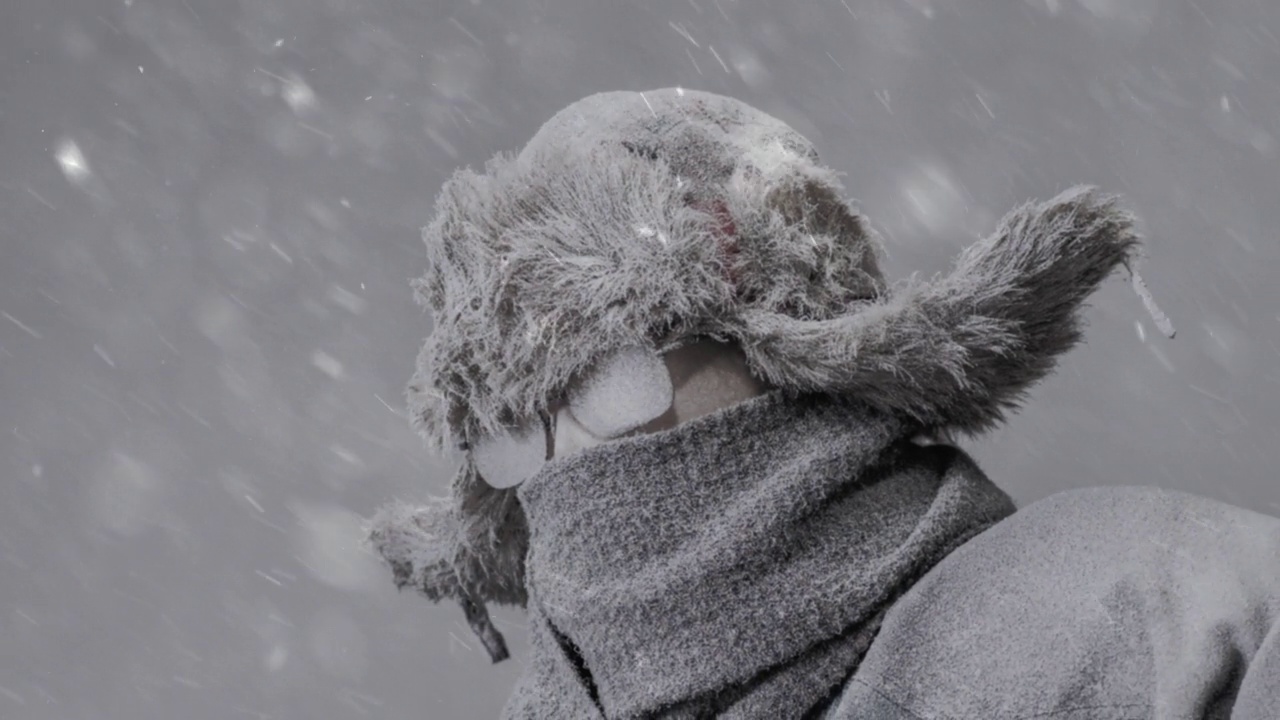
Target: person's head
<point x="650" y="257"/>
<point x="631" y="224"/>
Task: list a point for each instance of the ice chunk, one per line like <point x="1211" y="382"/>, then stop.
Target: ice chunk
<point x="505" y="461"/>
<point x="624" y="391"/>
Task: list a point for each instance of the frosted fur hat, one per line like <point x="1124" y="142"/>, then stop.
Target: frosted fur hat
<point x="646" y="218"/>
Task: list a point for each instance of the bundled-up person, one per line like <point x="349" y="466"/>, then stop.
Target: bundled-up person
<point x="705" y="449"/>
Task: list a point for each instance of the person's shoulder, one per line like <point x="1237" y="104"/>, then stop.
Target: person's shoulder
<point x="1046" y="611"/>
<point x="1148" y="500"/>
<point x="1117" y="516"/>
<point x="1084" y="542"/>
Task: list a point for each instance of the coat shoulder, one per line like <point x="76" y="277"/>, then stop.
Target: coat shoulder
<point x="1074" y="607"/>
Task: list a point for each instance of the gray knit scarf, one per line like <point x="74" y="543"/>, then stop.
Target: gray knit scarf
<point x="734" y="566"/>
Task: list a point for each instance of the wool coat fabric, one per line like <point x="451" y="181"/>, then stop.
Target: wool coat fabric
<point x="806" y="558"/>
<point x="1124" y="603"/>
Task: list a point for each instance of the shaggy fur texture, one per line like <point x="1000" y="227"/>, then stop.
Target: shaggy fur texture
<point x="958" y="352"/>
<point x="468" y="547"/>
<point x="648" y="218"/>
<point x="647" y="228"/>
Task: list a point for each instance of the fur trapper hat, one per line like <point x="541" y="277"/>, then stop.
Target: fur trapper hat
<point x="645" y="218"/>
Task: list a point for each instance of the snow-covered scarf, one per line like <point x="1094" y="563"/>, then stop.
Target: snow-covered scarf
<point x="734" y="566"/>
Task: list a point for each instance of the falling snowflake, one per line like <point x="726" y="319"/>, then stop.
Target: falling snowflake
<point x="327" y="364"/>
<point x="72" y="161"/>
<point x="298" y="94"/>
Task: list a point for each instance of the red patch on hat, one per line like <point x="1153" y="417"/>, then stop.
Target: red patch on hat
<point x="726" y="235"/>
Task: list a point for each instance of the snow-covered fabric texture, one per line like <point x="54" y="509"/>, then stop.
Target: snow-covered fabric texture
<point x="468" y="548"/>
<point x="648" y="218"/>
<point x="1122" y="603"/>
<point x="732" y="566"/>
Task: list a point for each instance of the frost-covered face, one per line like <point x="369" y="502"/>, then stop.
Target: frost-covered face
<point x="632" y="391"/>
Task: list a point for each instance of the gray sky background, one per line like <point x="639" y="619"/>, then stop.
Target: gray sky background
<point x="209" y="216"/>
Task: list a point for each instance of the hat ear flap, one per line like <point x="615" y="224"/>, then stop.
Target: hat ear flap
<point x="493" y="538"/>
<point x="469" y="548"/>
<point x="960" y="351"/>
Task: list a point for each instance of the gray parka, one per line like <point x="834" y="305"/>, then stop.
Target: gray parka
<point x="1100" y="604"/>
